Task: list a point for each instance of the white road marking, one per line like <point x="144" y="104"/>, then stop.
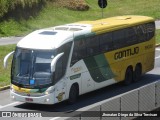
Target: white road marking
<point x="157" y="57"/>
<point x="55" y="118"/>
<point x="14" y="103"/>
<point x="1" y="106"/>
<point x="158" y="49"/>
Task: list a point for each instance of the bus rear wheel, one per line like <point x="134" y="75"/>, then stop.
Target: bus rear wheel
<point x="73" y="94"/>
<point x="137" y="73"/>
<point x="128" y="76"/>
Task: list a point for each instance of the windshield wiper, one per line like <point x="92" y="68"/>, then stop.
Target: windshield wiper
<point x="24" y="75"/>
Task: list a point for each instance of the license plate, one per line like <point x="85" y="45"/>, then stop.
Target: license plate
<point x="29" y="99"/>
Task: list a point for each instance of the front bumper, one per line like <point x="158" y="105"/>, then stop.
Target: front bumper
<point x="46" y="99"/>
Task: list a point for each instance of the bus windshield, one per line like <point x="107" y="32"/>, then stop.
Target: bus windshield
<point x="31" y="68"/>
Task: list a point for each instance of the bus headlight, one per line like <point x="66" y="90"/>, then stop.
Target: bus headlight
<point x="46" y="100"/>
<point x="49" y="91"/>
<point x="13" y="97"/>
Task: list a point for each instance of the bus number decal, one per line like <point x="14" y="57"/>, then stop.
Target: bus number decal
<point x="148" y="47"/>
<point x="126" y="53"/>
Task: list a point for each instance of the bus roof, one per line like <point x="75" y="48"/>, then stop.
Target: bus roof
<point x="44" y="39"/>
<point x="54" y="37"/>
<point x="114" y="23"/>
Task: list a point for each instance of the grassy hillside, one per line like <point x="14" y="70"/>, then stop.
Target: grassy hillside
<point x="5" y="73"/>
<point x="52" y="14"/>
<point x="158" y="36"/>
<point x="10" y="6"/>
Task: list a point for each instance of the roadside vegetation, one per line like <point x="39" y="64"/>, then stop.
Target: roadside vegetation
<point x="56" y="12"/>
<point x="46" y="13"/>
<point x="158" y="36"/>
<point x="5" y="73"/>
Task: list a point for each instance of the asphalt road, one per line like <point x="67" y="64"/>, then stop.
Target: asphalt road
<point x="9" y="40"/>
<point x="84" y="101"/>
<point x="157" y="24"/>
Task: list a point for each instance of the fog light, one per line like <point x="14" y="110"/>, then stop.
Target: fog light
<point x="11" y="88"/>
<point x="49" y="91"/>
<point x="46" y="100"/>
<point x="13" y="97"/>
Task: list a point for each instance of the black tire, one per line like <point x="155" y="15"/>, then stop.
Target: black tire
<point x="137" y="73"/>
<point x="73" y="94"/>
<point x="128" y="76"/>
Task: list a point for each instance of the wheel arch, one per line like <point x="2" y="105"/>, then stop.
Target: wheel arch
<point x="70" y="86"/>
<point x="73" y="93"/>
<point x="139" y="64"/>
<point x="76" y="85"/>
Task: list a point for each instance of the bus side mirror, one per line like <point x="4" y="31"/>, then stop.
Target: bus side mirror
<point x="54" y="61"/>
<point x="5" y="61"/>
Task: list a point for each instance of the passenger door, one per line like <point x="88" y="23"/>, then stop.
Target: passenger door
<point x="87" y="83"/>
<point x="60" y="70"/>
<point x="60" y="89"/>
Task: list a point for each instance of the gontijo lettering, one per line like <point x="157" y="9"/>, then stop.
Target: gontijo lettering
<point x="126" y="53"/>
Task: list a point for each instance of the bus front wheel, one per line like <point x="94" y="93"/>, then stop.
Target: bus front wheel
<point x="73" y="94"/>
<point x="128" y="76"/>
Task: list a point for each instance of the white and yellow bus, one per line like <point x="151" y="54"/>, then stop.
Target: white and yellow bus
<point x="60" y="63"/>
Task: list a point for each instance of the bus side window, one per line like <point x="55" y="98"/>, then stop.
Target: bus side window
<point x="79" y="51"/>
<point x="131" y="37"/>
<point x="106" y="43"/>
<point x="92" y="45"/>
<point x="141" y="33"/>
<point x="61" y="65"/>
<point x="150" y="30"/>
<point x="59" y="70"/>
<point x="119" y="39"/>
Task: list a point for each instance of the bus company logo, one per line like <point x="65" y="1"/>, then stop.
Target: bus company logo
<point x="126" y="53"/>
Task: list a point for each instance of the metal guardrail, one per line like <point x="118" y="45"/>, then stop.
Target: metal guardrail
<point x="145" y="98"/>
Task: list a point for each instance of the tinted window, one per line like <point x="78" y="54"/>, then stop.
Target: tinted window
<point x="131" y="37"/>
<point x="141" y="33"/>
<point x="119" y="38"/>
<point x="92" y="45"/>
<point x="150" y="30"/>
<point x="62" y="62"/>
<point x="79" y="50"/>
<point x="59" y="71"/>
<point x="106" y="43"/>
